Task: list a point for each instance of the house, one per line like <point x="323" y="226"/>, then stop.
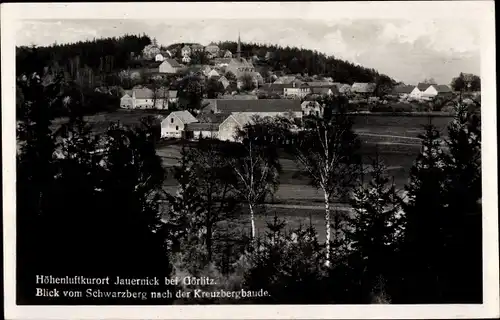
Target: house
<point x="234" y="122"/>
<point x="197" y="48"/>
<point x="169" y="66"/>
<point x="403" y="92"/>
<point x="260" y="107"/>
<point x="144" y="98"/>
<point x="418" y="90"/>
<point x="159" y="57"/>
<point x="227" y="54"/>
<point x="240" y="66"/>
<point x="325" y="91"/>
<point x="239" y="97"/>
<point x="312" y="108"/>
<point x="186" y="51"/>
<point x="224" y="81"/>
<point x="296" y="89"/>
<point x="213" y="73"/>
<point x="173" y="125"/>
<point x="213" y="49"/>
<point x="363" y="88"/>
<point x="436" y="90"/>
<point x="205" y="130"/>
<point x="186" y="59"/>
<point x="273" y="88"/>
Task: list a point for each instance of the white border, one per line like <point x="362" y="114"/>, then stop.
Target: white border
<point x="482" y="11"/>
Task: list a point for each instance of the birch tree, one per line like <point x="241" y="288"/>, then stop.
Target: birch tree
<point x="256" y="166"/>
<point x="326" y="152"/>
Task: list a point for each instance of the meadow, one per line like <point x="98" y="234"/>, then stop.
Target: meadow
<point x="395" y="137"/>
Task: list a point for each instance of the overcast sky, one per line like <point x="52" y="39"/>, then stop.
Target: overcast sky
<point x="408" y="51"/>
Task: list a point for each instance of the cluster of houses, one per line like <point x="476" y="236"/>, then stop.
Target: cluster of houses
<point x="222" y="118"/>
<point x="422" y="91"/>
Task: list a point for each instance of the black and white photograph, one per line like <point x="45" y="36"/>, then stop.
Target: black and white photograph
<point x="250" y="160"/>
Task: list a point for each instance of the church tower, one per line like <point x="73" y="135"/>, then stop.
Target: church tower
<point x="238" y="50"/>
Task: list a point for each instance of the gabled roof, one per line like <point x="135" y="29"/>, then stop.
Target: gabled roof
<point x="184" y="116"/>
<point x="143" y="93"/>
<point x="172" y="94"/>
<point x="222" y="60"/>
<point x="324" y="90"/>
<point x="172" y="62"/>
<point x="239" y="97"/>
<point x="297" y="83"/>
<point x="242" y="118"/>
<point x="186" y="47"/>
<point x="363" y="87"/>
<point x="442" y="88"/>
<point x="403" y="89"/>
<point x="256" y="106"/>
<point x="273" y="87"/>
<point x="211" y="117"/>
<point x="423" y="86"/>
<point x="205" y="126"/>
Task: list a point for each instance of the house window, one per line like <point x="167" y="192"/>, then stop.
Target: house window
<point x="176" y="128"/>
<point x="171" y="120"/>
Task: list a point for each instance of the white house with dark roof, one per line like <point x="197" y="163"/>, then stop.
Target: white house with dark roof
<point x="169" y="66"/>
<point x="144" y="98"/>
<point x="435" y="90"/>
<point x="296" y="89"/>
<point x="312" y="108"/>
<point x="186" y="51"/>
<point x="419" y="90"/>
<point x="174" y="124"/>
<point x="213" y="49"/>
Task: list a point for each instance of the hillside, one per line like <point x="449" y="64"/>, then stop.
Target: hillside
<point x="105" y="55"/>
<point x="295" y="60"/>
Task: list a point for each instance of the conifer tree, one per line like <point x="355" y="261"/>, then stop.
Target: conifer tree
<point x="424" y="219"/>
<point x="463" y="193"/>
<point x="374" y="231"/>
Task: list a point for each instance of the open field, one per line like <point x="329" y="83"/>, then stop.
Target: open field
<point x="298" y="203"/>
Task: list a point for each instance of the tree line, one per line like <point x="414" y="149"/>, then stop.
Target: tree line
<point x="95" y="205"/>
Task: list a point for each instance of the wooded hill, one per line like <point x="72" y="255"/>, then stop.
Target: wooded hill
<point x="295" y="60"/>
<point x="112" y="54"/>
<point x="103" y="55"/>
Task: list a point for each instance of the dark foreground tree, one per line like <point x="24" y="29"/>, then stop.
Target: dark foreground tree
<point x="424" y="240"/>
<point x="87" y="205"/>
<point x="374" y="230"/>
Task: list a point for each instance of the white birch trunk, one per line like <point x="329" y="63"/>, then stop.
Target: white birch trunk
<point x="252" y="220"/>
<point x="327" y="223"/>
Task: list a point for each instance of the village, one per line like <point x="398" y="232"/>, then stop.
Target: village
<point x="245" y="93"/>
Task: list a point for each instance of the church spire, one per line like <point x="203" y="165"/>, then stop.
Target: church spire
<point x="238" y="50"/>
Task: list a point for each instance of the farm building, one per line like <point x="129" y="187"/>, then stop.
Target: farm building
<point x="260" y="107"/>
<point x="436" y="90"/>
<point x="144" y="98"/>
<point x="234" y="122"/>
<point x="403" y="91"/>
<point x="198" y="130"/>
<point x="419" y="90"/>
<point x="312" y="108"/>
<point x="296" y="89"/>
<point x="169" y="66"/>
<point x="173" y="125"/>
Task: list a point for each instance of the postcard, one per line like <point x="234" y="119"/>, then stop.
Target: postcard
<point x="251" y="160"/>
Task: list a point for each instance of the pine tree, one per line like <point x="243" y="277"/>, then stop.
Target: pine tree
<point x="374" y="231"/>
<point x="424" y="219"/>
<point x="463" y="193"/>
